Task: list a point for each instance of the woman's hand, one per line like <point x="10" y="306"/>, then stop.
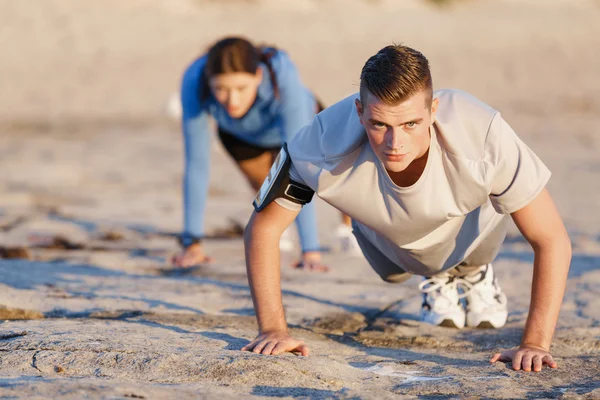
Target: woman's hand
<point x="311" y="261"/>
<point x="192" y="255"/>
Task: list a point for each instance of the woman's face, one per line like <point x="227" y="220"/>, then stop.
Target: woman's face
<point x="236" y="91"/>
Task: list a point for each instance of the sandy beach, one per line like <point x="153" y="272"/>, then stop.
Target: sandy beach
<point x="90" y="203"/>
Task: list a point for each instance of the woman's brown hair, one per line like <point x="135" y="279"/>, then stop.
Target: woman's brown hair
<point x="236" y="54"/>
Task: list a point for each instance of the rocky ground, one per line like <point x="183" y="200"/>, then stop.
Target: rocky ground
<point x="90" y="200"/>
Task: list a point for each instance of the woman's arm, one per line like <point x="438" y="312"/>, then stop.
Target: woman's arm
<point x="196" y="137"/>
<point x="297" y="109"/>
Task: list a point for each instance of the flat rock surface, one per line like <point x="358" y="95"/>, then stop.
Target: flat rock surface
<point x="90" y="200"/>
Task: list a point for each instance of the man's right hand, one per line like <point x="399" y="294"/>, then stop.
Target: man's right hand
<point x="275" y="343"/>
<point x="193" y="255"/>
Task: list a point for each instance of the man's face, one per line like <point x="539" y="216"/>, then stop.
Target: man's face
<point x="236" y="91"/>
<point x="398" y="134"/>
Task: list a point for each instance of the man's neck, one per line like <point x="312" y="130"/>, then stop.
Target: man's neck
<point x="412" y="173"/>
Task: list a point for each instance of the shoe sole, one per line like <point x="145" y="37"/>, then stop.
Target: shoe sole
<point x="448" y="323"/>
<point x="485" y="325"/>
<point x="489" y="323"/>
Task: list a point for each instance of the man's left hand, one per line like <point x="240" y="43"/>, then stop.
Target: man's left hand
<point x="525" y="358"/>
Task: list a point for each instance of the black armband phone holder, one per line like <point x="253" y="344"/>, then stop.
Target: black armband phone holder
<point x="279" y="185"/>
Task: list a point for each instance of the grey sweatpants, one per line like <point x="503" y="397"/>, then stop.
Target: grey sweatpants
<point x="391" y="272"/>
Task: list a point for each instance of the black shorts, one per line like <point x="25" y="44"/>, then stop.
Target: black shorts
<point x="241" y="151"/>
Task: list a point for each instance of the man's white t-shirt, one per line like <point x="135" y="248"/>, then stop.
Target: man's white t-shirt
<point x="477" y="171"/>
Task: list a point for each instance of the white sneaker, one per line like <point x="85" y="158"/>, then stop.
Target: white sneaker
<point x="486" y="304"/>
<point x="347" y="241"/>
<point x="173" y="107"/>
<point x="441" y="301"/>
<point x="286" y="243"/>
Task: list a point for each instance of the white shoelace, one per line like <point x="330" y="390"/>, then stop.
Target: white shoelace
<point x="493" y="297"/>
<point x="444" y="284"/>
<point x="444" y="292"/>
<point x="447" y="287"/>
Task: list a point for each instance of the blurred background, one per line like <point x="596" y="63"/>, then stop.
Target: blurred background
<point x="86" y="99"/>
<point x="91" y="163"/>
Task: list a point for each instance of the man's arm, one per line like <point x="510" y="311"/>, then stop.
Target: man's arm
<point x="541" y="225"/>
<point x="261" y="240"/>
